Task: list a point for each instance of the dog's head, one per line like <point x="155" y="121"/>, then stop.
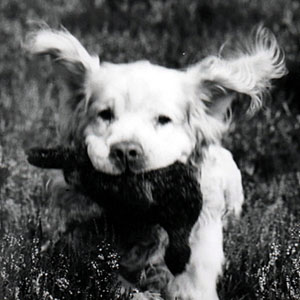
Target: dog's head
<point x="139" y="116"/>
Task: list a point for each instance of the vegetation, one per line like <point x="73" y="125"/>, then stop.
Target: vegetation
<point x="263" y="247"/>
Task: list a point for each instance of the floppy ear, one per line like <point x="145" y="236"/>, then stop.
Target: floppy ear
<point x="66" y="50"/>
<point x="218" y="80"/>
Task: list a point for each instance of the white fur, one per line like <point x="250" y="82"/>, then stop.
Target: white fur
<point x="246" y="73"/>
<point x="138" y="93"/>
<point x="63" y="45"/>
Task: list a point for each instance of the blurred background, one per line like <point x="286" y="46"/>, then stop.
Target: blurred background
<point x="263" y="247"/>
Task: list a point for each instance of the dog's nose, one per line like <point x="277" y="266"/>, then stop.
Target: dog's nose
<point x="127" y="154"/>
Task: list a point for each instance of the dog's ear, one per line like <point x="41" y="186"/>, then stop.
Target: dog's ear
<point x="66" y="50"/>
<point x="218" y="80"/>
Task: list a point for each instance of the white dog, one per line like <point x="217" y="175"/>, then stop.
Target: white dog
<point x="140" y="116"/>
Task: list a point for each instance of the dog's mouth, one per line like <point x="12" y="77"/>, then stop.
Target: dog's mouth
<point x="78" y="168"/>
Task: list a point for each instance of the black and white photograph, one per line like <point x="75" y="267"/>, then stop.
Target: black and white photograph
<point x="150" y="150"/>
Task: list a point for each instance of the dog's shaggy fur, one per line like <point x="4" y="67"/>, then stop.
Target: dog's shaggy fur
<point x="139" y="116"/>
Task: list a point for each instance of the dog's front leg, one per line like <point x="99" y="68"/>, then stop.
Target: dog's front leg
<point x="222" y="194"/>
<point x="198" y="281"/>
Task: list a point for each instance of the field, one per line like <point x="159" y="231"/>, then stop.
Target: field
<point x="263" y="248"/>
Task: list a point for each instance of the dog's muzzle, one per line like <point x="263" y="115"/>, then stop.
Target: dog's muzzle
<point x="127" y="156"/>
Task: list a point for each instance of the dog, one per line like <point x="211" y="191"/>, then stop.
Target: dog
<point x="139" y="116"/>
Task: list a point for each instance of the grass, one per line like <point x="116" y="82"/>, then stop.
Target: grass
<point x="263" y="247"/>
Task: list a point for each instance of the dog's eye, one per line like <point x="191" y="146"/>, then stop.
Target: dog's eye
<point x="106" y="114"/>
<point x="163" y="120"/>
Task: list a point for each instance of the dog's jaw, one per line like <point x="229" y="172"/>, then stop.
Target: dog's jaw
<point x="99" y="154"/>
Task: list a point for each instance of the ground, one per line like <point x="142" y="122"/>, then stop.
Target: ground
<point x="262" y="248"/>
